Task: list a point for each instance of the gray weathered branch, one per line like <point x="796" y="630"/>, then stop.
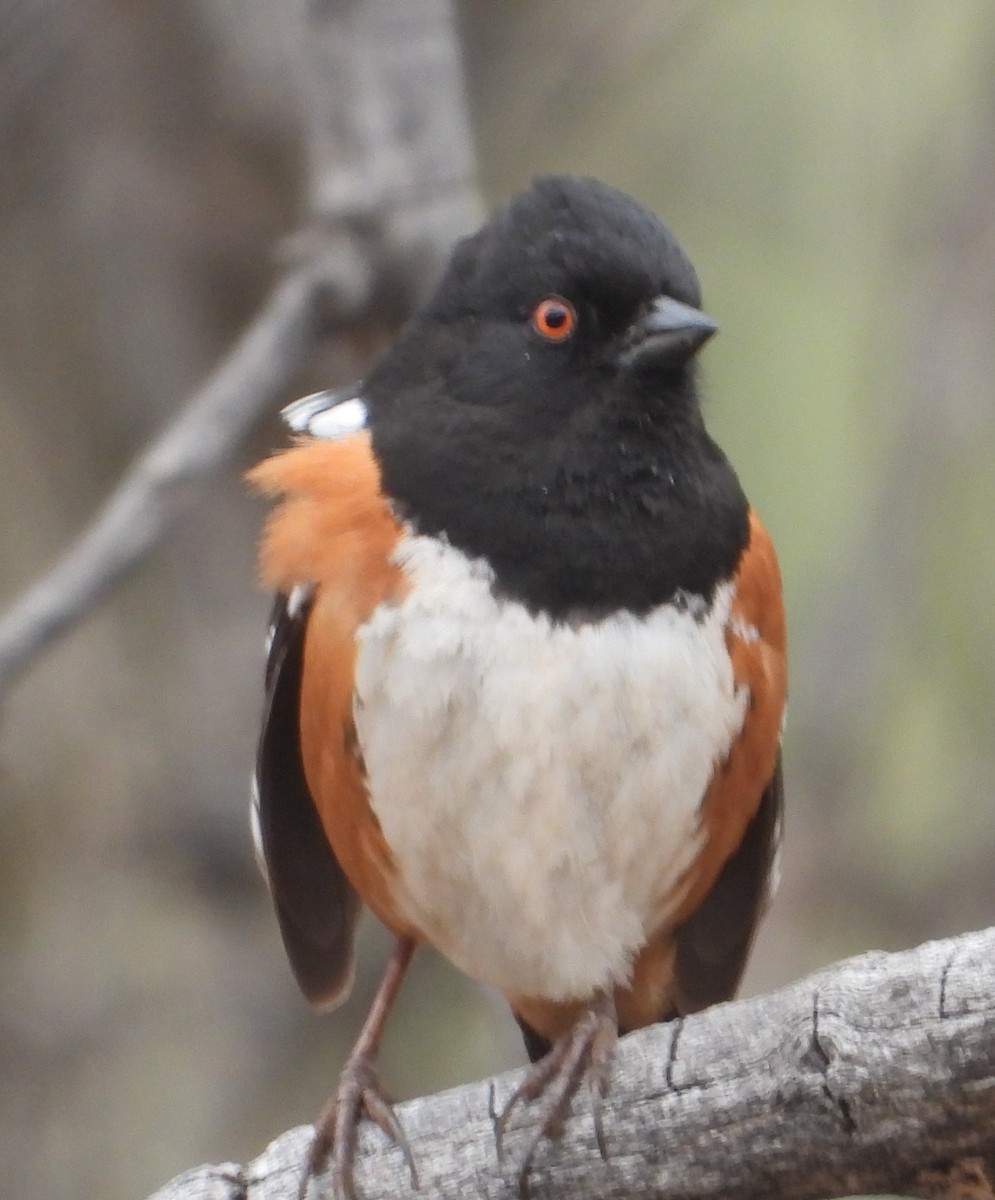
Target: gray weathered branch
<point x="158" y="486"/>
<point x="877" y="1075"/>
<point x="391" y="169"/>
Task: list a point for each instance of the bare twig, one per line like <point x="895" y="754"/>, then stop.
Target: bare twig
<point x="877" y="1075"/>
<point x="159" y="483"/>
<point x="391" y="171"/>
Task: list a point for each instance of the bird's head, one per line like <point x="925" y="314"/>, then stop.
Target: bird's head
<point x="541" y="410"/>
<point x="572" y="295"/>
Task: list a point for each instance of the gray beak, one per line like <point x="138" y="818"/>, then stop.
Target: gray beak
<point x="666" y="335"/>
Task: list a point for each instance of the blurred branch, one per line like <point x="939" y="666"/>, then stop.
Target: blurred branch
<point x="157" y="486"/>
<point x="391" y="169"/>
<point x="876" y="1075"/>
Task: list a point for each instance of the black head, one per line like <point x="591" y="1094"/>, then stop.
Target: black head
<point x="609" y="258"/>
<point x="541" y="410"/>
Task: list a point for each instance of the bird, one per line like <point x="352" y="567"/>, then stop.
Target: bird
<point x="526" y="675"/>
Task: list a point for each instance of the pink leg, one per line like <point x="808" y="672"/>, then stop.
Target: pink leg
<point x="360" y="1093"/>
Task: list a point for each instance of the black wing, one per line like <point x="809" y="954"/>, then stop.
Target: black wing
<point x="316" y="906"/>
<point x="713" y="943"/>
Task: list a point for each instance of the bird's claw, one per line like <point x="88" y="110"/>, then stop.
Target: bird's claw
<point x="336" y="1132"/>
<point x="585" y="1052"/>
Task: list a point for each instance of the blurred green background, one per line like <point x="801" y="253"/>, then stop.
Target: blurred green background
<point x="831" y="170"/>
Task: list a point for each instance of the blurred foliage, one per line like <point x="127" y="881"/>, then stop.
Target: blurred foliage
<point x="830" y="168"/>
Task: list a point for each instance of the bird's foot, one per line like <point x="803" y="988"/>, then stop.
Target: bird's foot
<point x="336" y="1132"/>
<point x="585" y="1052"/>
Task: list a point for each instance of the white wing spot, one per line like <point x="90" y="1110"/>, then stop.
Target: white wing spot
<point x="297" y="598"/>
<point x="256" y="827"/>
<point x="326" y="415"/>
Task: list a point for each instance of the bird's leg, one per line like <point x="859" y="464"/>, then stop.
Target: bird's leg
<point x="360" y="1093"/>
<point x="586" y="1052"/>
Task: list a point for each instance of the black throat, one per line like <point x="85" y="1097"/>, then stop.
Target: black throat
<point x="576" y="522"/>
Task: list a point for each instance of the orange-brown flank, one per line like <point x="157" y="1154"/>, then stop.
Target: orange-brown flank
<point x="334" y="529"/>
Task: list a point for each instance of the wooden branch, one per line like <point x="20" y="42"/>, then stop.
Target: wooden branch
<point x="391" y="167"/>
<point x="877" y="1075"/>
<point x="157" y="486"/>
<point x="388" y="133"/>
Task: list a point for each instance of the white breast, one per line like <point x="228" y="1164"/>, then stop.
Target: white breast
<point x="539" y="783"/>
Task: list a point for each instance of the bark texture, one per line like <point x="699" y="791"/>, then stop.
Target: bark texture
<point x="874" y="1076"/>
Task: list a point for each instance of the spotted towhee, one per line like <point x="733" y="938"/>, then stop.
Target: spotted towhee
<point x="527" y="671"/>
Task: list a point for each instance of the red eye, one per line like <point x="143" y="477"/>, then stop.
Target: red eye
<point x="554" y="318"/>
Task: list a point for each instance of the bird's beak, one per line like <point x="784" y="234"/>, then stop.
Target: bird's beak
<point x="666" y="335"/>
